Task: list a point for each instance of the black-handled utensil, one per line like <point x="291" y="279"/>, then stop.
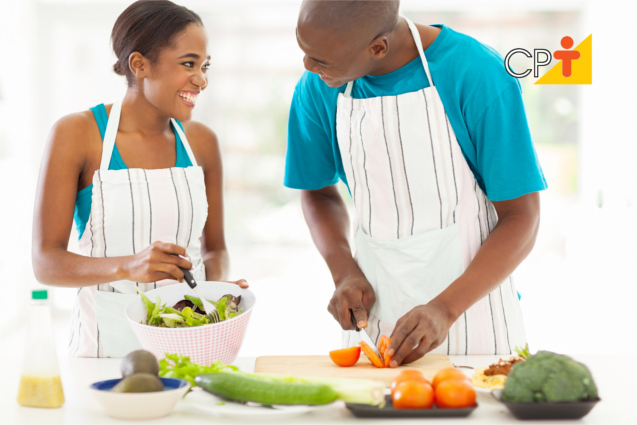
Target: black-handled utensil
<point x="211" y="310"/>
<point x="351" y="315"/>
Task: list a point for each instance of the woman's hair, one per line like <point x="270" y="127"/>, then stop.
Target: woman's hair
<point x="147" y="26"/>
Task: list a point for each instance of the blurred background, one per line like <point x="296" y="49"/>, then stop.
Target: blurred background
<point x="578" y="286"/>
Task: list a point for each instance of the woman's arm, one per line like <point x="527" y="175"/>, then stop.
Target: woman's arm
<point x="65" y="159"/>
<point x="214" y="253"/>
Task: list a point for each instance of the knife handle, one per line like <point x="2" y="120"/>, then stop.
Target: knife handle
<point x="187" y="276"/>
<point x="353" y="319"/>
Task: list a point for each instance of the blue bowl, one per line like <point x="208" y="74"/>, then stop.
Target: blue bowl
<point x="169" y="384"/>
<point x="148" y="405"/>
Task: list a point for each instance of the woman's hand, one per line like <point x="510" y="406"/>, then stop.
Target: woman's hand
<point x="419" y="331"/>
<point x="154" y="263"/>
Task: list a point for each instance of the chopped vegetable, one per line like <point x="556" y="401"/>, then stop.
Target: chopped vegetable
<point x="371" y="355"/>
<point x="383" y="346"/>
<point x="188" y="312"/>
<point x="346" y="357"/>
<point x="176" y="366"/>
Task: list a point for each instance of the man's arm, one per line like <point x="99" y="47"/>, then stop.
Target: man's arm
<point x="326" y="216"/>
<point x="425" y="327"/>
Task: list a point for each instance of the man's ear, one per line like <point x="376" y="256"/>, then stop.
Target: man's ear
<point x="138" y="65"/>
<point x="379" y="47"/>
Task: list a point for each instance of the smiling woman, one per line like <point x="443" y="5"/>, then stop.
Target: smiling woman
<point x="146" y="189"/>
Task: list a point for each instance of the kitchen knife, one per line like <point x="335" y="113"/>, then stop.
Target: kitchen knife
<point x="364" y="335"/>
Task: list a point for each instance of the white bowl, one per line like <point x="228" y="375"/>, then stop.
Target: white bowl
<point x="203" y="344"/>
<point x="139" y="405"/>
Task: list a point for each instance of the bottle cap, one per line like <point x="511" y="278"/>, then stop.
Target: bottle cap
<point x="40" y="294"/>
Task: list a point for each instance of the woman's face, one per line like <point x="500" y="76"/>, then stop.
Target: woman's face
<point x="179" y="74"/>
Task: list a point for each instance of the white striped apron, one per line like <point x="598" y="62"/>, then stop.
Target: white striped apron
<point x="422" y="216"/>
<point x="131" y="209"/>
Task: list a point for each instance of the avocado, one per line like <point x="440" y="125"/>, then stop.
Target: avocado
<point x="139" y="383"/>
<point x="140" y="361"/>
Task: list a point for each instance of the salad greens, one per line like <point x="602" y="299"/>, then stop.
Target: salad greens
<point x="188" y="312"/>
<point x="523" y="352"/>
<point x="176" y="366"/>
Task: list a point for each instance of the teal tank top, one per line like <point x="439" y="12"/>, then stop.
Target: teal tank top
<point x="84" y="197"/>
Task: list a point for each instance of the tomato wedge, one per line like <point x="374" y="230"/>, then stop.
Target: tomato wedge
<point x="346" y="357"/>
<point x="383" y="346"/>
<point x="367" y="350"/>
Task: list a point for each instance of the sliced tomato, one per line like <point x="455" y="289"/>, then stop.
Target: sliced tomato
<point x="367" y="350"/>
<point x="346" y="357"/>
<point x="383" y="346"/>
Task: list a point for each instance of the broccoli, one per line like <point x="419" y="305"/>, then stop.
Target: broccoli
<point x="549" y="377"/>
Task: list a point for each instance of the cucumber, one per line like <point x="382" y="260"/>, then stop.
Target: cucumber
<point x="234" y="386"/>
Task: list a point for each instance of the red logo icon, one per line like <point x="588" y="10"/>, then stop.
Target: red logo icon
<point x="566" y="56"/>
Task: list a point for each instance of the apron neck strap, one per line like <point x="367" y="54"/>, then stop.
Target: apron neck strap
<point x="421" y="52"/>
<point x="348" y="89"/>
<point x="111" y="133"/>
<point x="184" y="141"/>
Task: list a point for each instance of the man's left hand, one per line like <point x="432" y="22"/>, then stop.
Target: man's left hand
<point x="419" y="331"/>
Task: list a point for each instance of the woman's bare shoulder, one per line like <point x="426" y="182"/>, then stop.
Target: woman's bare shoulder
<point x="203" y="141"/>
<point x="74" y="128"/>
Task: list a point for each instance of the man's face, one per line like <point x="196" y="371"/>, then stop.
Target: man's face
<point x="335" y="60"/>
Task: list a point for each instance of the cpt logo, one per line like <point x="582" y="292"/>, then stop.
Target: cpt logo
<point x="575" y="65"/>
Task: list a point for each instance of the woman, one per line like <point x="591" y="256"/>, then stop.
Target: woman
<point x="146" y="190"/>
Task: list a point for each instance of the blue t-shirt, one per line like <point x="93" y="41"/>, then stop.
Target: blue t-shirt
<point x="84" y="198"/>
<point x="483" y="103"/>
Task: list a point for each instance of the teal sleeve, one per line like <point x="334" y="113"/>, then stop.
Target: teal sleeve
<point x="309" y="162"/>
<point x="506" y="158"/>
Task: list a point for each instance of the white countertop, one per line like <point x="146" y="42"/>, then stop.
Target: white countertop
<point x="615" y="377"/>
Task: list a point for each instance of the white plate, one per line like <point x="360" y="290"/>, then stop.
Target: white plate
<point x="207" y="402"/>
<point x="482" y="390"/>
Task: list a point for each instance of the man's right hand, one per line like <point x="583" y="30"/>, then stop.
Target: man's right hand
<point x="356" y="294"/>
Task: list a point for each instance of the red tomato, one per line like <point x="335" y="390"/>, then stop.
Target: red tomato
<point x="455" y="393"/>
<point x="408" y="375"/>
<point x="413" y="395"/>
<point x="346" y="357"/>
<point x="448" y="373"/>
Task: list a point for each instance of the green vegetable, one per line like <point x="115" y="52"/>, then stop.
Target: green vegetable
<point x="361" y="391"/>
<point x="524" y="352"/>
<point x="148" y="303"/>
<point x="176" y="366"/>
<point x="166" y="316"/>
<point x="240" y="387"/>
<point x="549" y="377"/>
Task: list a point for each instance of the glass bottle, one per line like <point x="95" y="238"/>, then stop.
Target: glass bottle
<point x="40" y="384"/>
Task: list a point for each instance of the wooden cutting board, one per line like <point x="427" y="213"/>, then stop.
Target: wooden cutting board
<point x="322" y="366"/>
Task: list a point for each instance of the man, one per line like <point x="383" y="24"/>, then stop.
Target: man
<point x="429" y="133"/>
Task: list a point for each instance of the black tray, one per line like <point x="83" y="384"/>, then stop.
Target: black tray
<point x="367" y="411"/>
<point x="555" y="410"/>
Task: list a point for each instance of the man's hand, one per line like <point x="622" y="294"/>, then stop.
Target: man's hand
<point x="419" y="331"/>
<point x="356" y="294"/>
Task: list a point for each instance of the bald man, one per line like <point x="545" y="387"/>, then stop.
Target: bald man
<point x="428" y="131"/>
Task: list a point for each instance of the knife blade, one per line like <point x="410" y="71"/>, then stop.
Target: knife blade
<point x="364" y="335"/>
